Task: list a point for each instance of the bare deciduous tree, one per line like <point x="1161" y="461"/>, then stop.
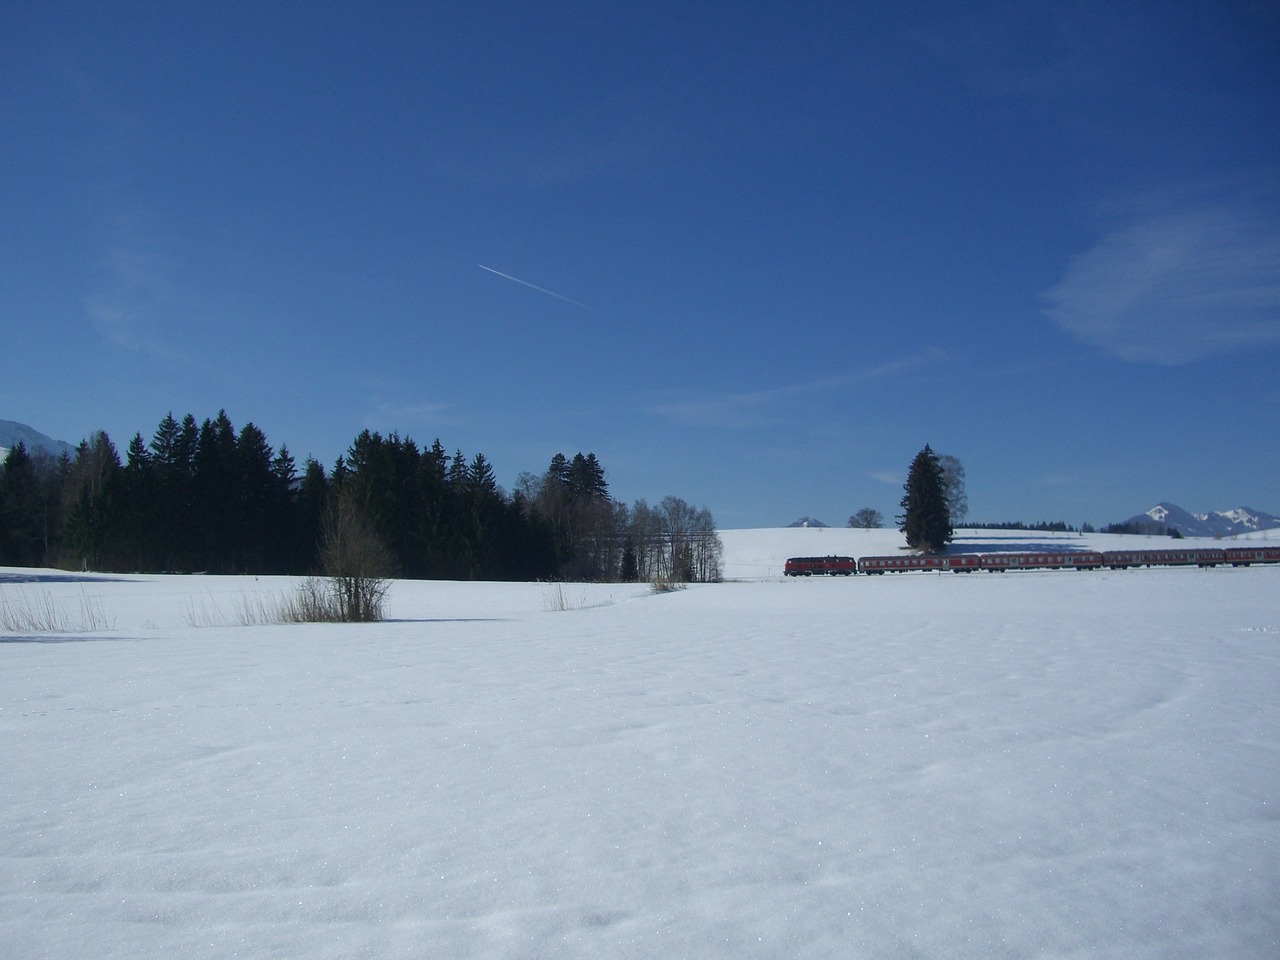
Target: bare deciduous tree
<point x="355" y="560"/>
<point x="953" y="487"/>
<point x="867" y="519"/>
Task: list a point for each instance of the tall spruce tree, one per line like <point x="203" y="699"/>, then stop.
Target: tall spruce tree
<point x="925" y="519"/>
<point x="260" y="510"/>
<point x="172" y="515"/>
<point x="139" y="523"/>
<point x="585" y="479"/>
<point x="19" y="523"/>
<point x="313" y="494"/>
<point x="94" y="511"/>
<point x="218" y="511"/>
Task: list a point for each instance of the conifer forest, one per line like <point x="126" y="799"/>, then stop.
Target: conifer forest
<point x="204" y="497"/>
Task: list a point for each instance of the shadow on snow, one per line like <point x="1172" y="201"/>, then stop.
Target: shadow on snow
<point x="55" y="578"/>
<point x="987" y="545"/>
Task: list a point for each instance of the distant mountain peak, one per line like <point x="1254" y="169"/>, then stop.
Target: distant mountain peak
<point x="1217" y="523"/>
<point x="12" y="433"/>
<point x="807" y="522"/>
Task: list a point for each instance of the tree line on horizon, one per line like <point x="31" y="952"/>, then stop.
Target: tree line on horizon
<point x="1041" y="526"/>
<point x="204" y="497"/>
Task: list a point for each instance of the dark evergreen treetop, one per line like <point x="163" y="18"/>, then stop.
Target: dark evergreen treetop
<point x="480" y="475"/>
<point x="164" y="443"/>
<point x="19" y="508"/>
<point x="586" y="479"/>
<point x="558" y="471"/>
<point x="925" y="519"/>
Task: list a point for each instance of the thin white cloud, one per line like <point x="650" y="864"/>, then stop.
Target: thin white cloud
<point x="134" y="303"/>
<point x="1177" y="285"/>
<point x="402" y="416"/>
<point x="733" y="410"/>
<point x="629" y="140"/>
<point x="754" y="408"/>
<point x="1037" y="51"/>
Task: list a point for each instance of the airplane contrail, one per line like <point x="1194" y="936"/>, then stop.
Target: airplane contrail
<point x="534" y="286"/>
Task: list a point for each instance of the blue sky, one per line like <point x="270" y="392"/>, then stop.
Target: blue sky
<point x="752" y="254"/>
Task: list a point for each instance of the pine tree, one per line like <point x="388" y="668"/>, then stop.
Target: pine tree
<point x="260" y="505"/>
<point x="19" y="522"/>
<point x="431" y="531"/>
<point x="94" y="513"/>
<point x="285" y="469"/>
<point x="140" y="517"/>
<point x="574" y="499"/>
<point x="586" y="480"/>
<point x="218" y="512"/>
<point x="172" y="516"/>
<point x="313" y="494"/>
<point x="557" y="478"/>
<point x="925" y="519"/>
<point x="480" y="476"/>
<point x="164" y="442"/>
<point x="630" y="569"/>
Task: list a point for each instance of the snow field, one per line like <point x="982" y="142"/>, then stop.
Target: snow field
<point x="1031" y="764"/>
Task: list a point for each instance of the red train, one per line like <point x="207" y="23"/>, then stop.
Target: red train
<point x="829" y="566"/>
<point x="1000" y="562"/>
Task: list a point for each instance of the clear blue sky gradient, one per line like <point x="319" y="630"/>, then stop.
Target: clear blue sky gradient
<point x="752" y="254"/>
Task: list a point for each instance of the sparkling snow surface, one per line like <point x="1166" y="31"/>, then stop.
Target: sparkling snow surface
<point x="1059" y="764"/>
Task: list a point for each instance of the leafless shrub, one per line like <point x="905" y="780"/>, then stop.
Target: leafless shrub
<point x="202" y="612"/>
<point x="28" y="614"/>
<point x="254" y="609"/>
<point x="314" y="601"/>
<point x="555" y="599"/>
<point x="355" y="560"/>
<point x="665" y="585"/>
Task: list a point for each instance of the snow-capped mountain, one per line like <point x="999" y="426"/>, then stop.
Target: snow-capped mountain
<point x="1219" y="523"/>
<point x="11" y="432"/>
<point x="807" y="522"/>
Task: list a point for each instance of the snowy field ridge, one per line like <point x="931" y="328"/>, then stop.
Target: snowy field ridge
<point x="755" y="554"/>
<point x="1037" y="764"/>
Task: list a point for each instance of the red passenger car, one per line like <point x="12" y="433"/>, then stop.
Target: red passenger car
<point x="902" y="564"/>
<point x="1042" y="561"/>
<point x="1243" y="556"/>
<point x="1120" y="559"/>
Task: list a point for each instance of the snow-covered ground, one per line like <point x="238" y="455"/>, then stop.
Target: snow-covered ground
<point x="1036" y="764"/>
